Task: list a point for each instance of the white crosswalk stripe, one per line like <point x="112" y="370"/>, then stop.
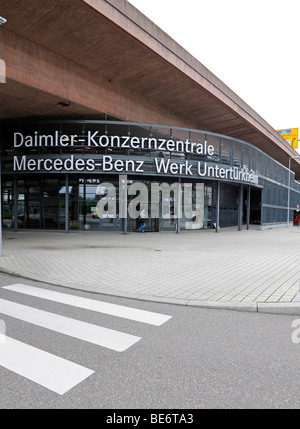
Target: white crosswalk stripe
<point x="75" y="328"/>
<point x="90" y="304"/>
<point x="49" y="370"/>
<point x="46" y="369"/>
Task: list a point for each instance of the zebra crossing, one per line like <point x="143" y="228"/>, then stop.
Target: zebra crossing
<point x="47" y="369"/>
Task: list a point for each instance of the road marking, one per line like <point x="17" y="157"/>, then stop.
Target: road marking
<point x="104" y="337"/>
<point x="51" y="371"/>
<point x="46" y="369"/>
<point x="149" y="317"/>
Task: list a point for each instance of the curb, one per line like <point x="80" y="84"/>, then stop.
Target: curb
<point x="291" y="308"/>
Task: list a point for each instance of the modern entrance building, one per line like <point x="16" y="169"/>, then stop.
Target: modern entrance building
<point x="102" y="114"/>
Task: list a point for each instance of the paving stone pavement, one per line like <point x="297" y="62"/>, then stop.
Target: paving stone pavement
<point x="245" y="270"/>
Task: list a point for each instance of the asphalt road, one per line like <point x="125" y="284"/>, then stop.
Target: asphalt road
<point x="197" y="359"/>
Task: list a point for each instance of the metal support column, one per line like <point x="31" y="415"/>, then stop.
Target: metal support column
<point x="240" y="208"/>
<point x="125" y="205"/>
<point x="179" y="214"/>
<point x="67" y="204"/>
<point x="248" y="206"/>
<point x="123" y="200"/>
<point x="15" y="206"/>
<point x="218" y="206"/>
<point x="261" y="207"/>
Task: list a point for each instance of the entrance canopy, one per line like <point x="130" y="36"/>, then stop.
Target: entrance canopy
<point x="104" y="59"/>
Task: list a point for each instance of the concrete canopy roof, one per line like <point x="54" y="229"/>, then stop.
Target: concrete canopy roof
<point x="104" y="57"/>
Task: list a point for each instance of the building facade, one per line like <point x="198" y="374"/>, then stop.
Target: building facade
<point x="102" y="119"/>
<point x="98" y="175"/>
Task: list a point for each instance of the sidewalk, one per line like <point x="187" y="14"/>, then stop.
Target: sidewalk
<point x="244" y="270"/>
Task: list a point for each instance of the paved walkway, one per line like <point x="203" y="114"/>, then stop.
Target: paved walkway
<point x="247" y="270"/>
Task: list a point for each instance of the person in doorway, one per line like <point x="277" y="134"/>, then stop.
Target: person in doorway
<point x="142" y="221"/>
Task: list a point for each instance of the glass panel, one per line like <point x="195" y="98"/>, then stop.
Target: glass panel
<point x="108" y="205"/>
<point x="214" y="142"/>
<point x="207" y="207"/>
<point x="237" y="154"/>
<point x="50" y="203"/>
<point x="73" y="204"/>
<point x="99" y="204"/>
<point x="89" y="196"/>
<point x="193" y="206"/>
<point x="33" y="205"/>
<point x="245" y="156"/>
<point x="21" y="203"/>
<point x="226" y="152"/>
<point x="7" y="209"/>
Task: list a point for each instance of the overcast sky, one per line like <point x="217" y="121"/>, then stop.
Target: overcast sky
<point x="252" y="46"/>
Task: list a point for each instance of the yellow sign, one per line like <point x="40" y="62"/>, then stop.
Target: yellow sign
<point x="290" y="135"/>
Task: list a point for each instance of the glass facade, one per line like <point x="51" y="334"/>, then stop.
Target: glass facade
<point x="66" y="174"/>
<point x="41" y="204"/>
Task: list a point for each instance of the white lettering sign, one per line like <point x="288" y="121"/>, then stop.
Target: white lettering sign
<point x="108" y="163"/>
<point x="94" y="139"/>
